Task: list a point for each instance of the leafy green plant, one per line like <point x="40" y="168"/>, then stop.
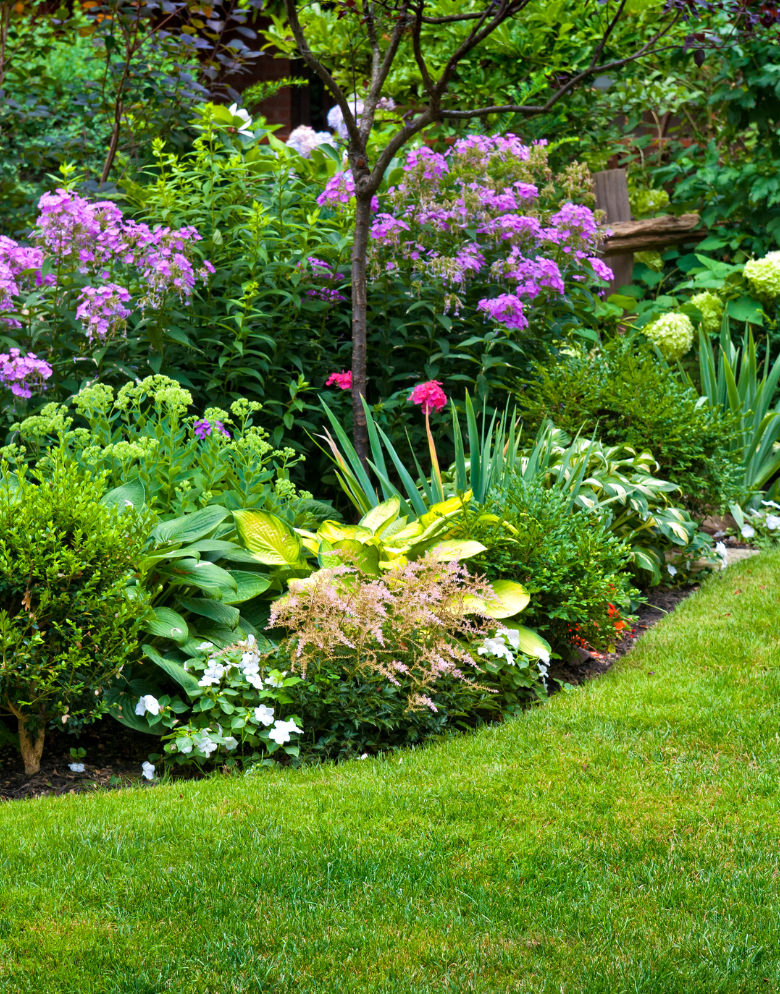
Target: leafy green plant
<point x="570" y="564"/>
<point x="628" y="396"/>
<point x="184" y="461"/>
<point x="68" y="622"/>
<point x="737" y="383"/>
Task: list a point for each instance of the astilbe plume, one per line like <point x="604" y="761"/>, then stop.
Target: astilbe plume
<point x="408" y="625"/>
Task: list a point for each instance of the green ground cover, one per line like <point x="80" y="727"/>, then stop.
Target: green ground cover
<point x="623" y="838"/>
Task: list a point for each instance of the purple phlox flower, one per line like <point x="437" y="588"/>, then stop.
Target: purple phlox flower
<point x="506" y="309"/>
<point x="530" y="275"/>
<point x="23" y="373"/>
<point x="201" y="428"/>
<point x="388" y="228"/>
<point x="433" y="164"/>
<point x="329" y="296"/>
<point x="102" y="310"/>
<point x="601" y="269"/>
<point x="340" y="189"/>
<point x="511" y="226"/>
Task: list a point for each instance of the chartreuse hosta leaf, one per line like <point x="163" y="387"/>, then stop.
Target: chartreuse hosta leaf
<point x="529" y="642"/>
<point x="269" y="538"/>
<point x="510" y="599"/>
<point x="382" y="516"/>
<point x="453" y="550"/>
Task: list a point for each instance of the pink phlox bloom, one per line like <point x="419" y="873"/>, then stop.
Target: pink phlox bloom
<point x="429" y="396"/>
<point x="434" y="165"/>
<point x="23" y="373"/>
<point x="601" y="269"/>
<point x="342" y="380"/>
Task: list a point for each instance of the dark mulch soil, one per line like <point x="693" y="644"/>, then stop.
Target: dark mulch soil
<point x="114" y="754"/>
<point x="113" y="759"/>
<point x="585" y="665"/>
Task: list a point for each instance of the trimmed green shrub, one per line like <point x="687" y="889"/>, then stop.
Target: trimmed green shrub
<point x="67" y="624"/>
<point x="569" y="562"/>
<point x="625" y="395"/>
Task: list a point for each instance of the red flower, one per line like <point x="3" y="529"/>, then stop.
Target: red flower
<point x="429" y="395"/>
<point x="342" y="380"/>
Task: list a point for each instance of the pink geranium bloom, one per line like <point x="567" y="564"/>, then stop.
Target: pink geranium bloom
<point x="342" y="380"/>
<point x="429" y="395"/>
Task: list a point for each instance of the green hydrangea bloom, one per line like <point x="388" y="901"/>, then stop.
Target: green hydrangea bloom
<point x="652" y="260"/>
<point x="711" y="307"/>
<point x="646" y="202"/>
<point x="763" y="276"/>
<point x="672" y="333"/>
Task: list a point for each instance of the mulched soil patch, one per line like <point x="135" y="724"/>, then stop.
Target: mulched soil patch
<point x="113" y="760"/>
<point x="114" y="754"/>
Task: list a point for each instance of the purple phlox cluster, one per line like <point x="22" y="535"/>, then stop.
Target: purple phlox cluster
<point x="23" y="373"/>
<point x="340" y="189"/>
<point x="320" y="267"/>
<point x="601" y="269"/>
<point x="432" y="164"/>
<point x="513" y="227"/>
<point x="102" y="310"/>
<point x="574" y="230"/>
<point x="388" y="228"/>
<point x="330" y="296"/>
<point x="505" y="145"/>
<point x="76" y="231"/>
<point x="506" y="309"/>
<point x="532" y="276"/>
<point x="202" y="428"/>
<point x="17" y="264"/>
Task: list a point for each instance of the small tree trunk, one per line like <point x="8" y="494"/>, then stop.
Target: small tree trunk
<point x="31" y="745"/>
<point x="359" y="309"/>
<point x="113" y="145"/>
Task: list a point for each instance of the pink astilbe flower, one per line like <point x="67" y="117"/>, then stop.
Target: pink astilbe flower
<point x="408" y="626"/>
<point x="429" y="396"/>
<point x="342" y="380"/>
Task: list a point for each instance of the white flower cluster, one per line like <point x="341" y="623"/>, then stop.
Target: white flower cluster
<point x="672" y="333"/>
<point x="763" y="276"/>
<point x="505" y="640"/>
<point x="305" y="139"/>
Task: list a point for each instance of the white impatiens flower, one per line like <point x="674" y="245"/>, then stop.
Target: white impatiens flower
<point x="722" y="551"/>
<point x="671" y="570"/>
<point x="512" y="636"/>
<point x="543" y="656"/>
<point x="147" y="703"/>
<point x="772" y="522"/>
<point x="244" y="129"/>
<point x="184" y="744"/>
<point x="205" y="646"/>
<point x="213" y="673"/>
<point x="276" y="681"/>
<point x="147" y="769"/>
<point x="497" y="647"/>
<point x="205" y="744"/>
<point x="747" y="531"/>
<point x="76" y="767"/>
<point x="230" y="743"/>
<point x="770" y="503"/>
<point x="282" y="730"/>
<point x="264" y="715"/>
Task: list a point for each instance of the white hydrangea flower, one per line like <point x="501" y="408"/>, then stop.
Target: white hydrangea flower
<point x="147" y="703"/>
<point x="672" y="333"/>
<point x="763" y="276"/>
<point x="305" y="139"/>
<point x="711" y="307"/>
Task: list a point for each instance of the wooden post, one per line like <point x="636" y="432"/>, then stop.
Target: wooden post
<point x="612" y="198"/>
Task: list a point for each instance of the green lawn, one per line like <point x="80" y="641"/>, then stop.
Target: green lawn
<point x="623" y="838"/>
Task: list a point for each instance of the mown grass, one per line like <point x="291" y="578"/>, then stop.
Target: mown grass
<point x="623" y="838"/>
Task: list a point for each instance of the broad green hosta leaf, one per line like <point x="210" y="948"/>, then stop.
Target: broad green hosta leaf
<point x="530" y="642"/>
<point x="248" y="586"/>
<point x="223" y="614"/>
<point x="168" y="624"/>
<point x="175" y="671"/>
<point x="206" y="576"/>
<point x="455" y="549"/>
<point x="268" y="537"/>
<point x="132" y="494"/>
<point x="190" y="527"/>
<point x="381" y="516"/>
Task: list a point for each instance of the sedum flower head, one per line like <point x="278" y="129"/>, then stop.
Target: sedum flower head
<point x="711" y="307"/>
<point x="672" y="333"/>
<point x="763" y="276"/>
